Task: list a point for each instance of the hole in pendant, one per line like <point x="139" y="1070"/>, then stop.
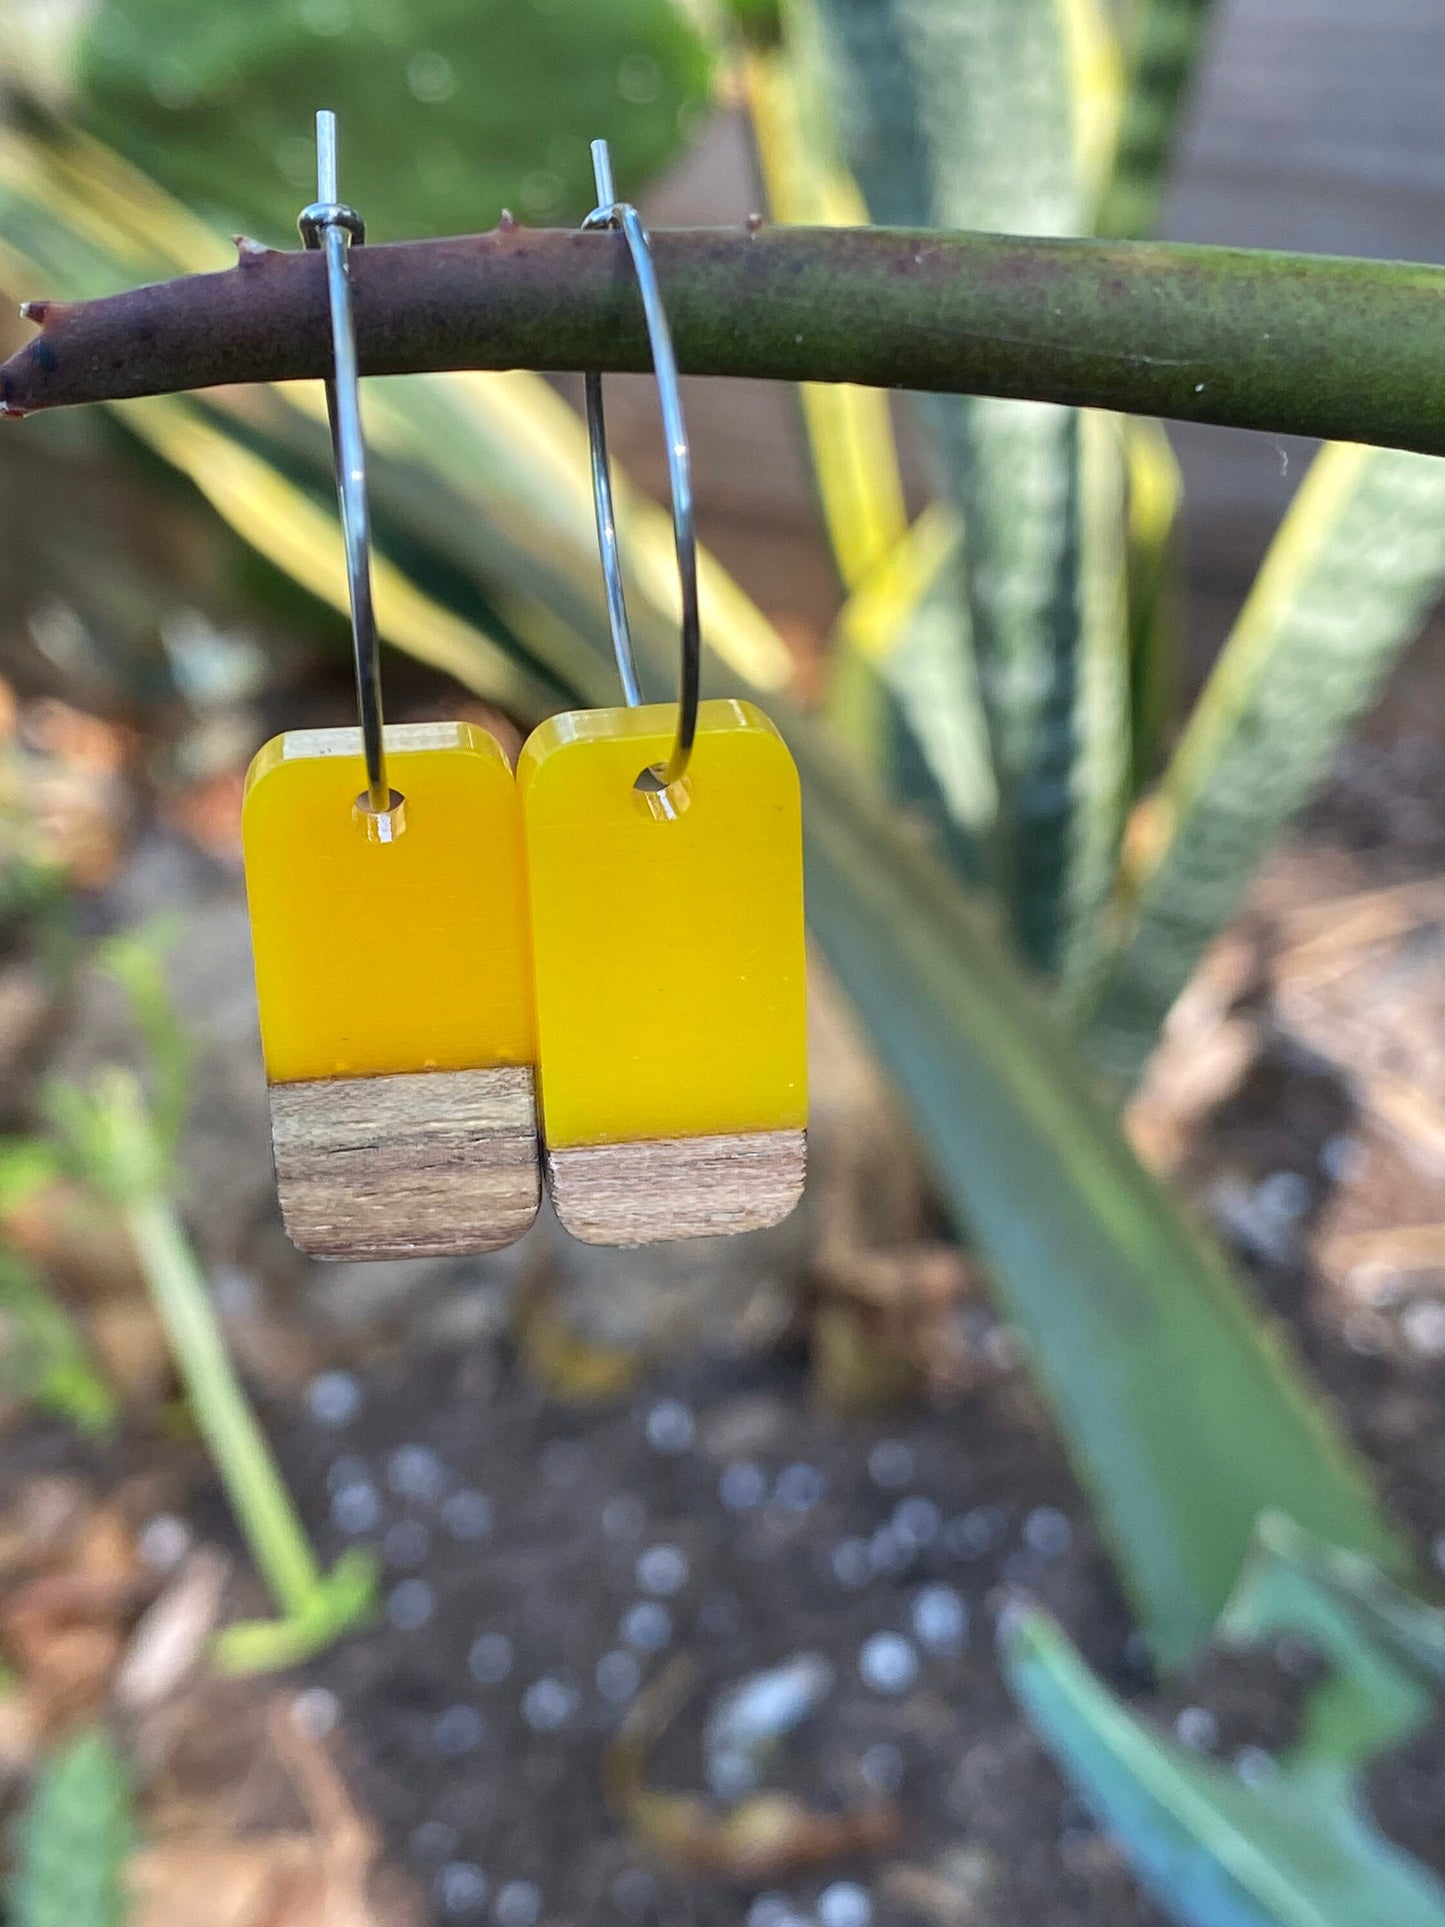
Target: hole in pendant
<point x="664" y="802"/>
<point x="380" y="826"/>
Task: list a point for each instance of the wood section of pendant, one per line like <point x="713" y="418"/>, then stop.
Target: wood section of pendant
<point x="394" y="983"/>
<point x="422" y="1166"/>
<point x="667" y="937"/>
<point x="656" y="1189"/>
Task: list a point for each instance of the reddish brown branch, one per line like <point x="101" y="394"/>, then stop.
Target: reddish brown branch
<point x="1291" y="343"/>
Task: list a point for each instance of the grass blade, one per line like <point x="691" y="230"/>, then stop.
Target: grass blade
<point x="116" y="1140"/>
<point x="1348" y="582"/>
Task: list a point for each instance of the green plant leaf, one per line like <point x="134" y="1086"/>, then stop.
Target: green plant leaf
<point x="896" y="658"/>
<point x="1386" y="1649"/>
<point x="903" y="687"/>
<point x="1166" y="39"/>
<point x="74" y="1838"/>
<point x="1185" y="1414"/>
<point x="849" y="430"/>
<point x="961" y="117"/>
<point x="27" y="1165"/>
<point x="1099" y="769"/>
<point x="1348" y="582"/>
<point x="43" y="1357"/>
<point x="1101" y="94"/>
<point x="1213" y="1851"/>
<point x="1295" y="1848"/>
<point x="758" y="20"/>
<point x="449" y="112"/>
<point x="1155" y="595"/>
<point x="1095" y="62"/>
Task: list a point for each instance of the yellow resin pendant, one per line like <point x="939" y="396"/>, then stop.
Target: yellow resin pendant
<point x="667" y="939"/>
<point x="394" y="981"/>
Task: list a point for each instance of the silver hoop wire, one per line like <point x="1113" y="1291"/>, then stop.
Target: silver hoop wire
<point x="328" y="224"/>
<point x="612" y="213"/>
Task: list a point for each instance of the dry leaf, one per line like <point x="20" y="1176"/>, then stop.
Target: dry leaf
<point x="77" y="1239"/>
<point x="225" y="1883"/>
<point x="322" y="1876"/>
<point x="64" y="1626"/>
<point x="173" y="1632"/>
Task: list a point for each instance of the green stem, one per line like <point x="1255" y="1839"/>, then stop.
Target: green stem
<point x="238" y="1447"/>
<point x="1297" y="344"/>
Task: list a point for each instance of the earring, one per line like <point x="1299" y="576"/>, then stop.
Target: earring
<point x="664" y="854"/>
<point x="389" y="927"/>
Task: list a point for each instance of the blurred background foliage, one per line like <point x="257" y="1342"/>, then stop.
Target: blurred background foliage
<point x="453" y="111"/>
<point x="1018" y="850"/>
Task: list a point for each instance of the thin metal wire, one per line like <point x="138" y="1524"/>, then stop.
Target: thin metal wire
<point x="331" y="226"/>
<point x="612" y="213"/>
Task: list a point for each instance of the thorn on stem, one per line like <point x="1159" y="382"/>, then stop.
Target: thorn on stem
<point x="35" y="311"/>
<point x="754" y="222"/>
<point x="248" y="250"/>
<point x="506" y="221"/>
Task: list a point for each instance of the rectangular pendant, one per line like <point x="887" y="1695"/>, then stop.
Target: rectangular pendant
<point x="667" y="935"/>
<point x="394" y="983"/>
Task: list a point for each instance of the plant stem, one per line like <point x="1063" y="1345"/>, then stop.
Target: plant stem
<point x="237" y="1445"/>
<point x="1293" y="344"/>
